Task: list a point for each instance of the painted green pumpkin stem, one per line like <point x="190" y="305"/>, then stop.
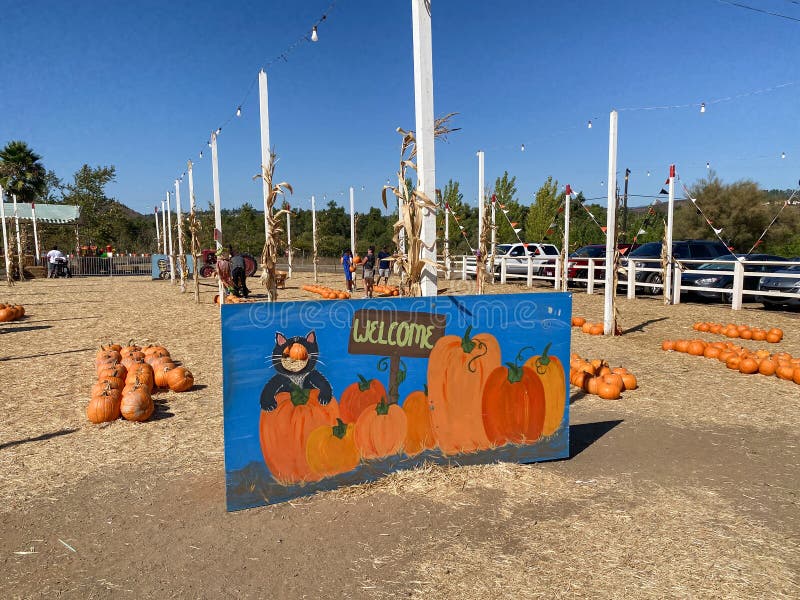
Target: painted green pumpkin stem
<point x="543" y="361"/>
<point x="467" y="344"/>
<point x="363" y="384"/>
<point x="340" y="429"/>
<point x="514" y="372"/>
<point x="299" y="396"/>
<point x="382" y="407"/>
<point x="425" y="387"/>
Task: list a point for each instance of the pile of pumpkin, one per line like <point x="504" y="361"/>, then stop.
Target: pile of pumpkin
<point x="229" y="299"/>
<point x="781" y="364"/>
<point x="326" y="292"/>
<point x="586" y="327"/>
<point x="11" y="312"/>
<point x="127" y="376"/>
<point x="386" y="290"/>
<point x="745" y="332"/>
<point x="597" y="377"/>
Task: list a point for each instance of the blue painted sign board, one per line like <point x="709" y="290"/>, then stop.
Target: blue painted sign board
<point x="323" y="394"/>
<point x="159" y="265"/>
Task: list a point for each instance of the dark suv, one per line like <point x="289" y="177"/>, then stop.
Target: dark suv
<point x="688" y="249"/>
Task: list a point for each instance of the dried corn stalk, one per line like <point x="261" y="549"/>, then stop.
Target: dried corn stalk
<point x="194" y="229"/>
<point x="269" y="255"/>
<point x="412" y="204"/>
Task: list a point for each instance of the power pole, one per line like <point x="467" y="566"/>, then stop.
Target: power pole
<point x="625" y="208"/>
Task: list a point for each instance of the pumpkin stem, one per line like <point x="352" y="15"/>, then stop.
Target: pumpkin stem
<point x="298" y="395"/>
<point x="425" y="387"/>
<point x="382" y="407"/>
<point x="340" y="429"/>
<point x="521" y="350"/>
<point x="481" y="346"/>
<point x="467" y="344"/>
<point x="543" y="361"/>
<point x="363" y="384"/>
<point x="514" y="372"/>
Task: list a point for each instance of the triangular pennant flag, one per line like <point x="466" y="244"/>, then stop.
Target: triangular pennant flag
<point x="560" y="209"/>
<point x="462" y="227"/>
<point x="667" y="181"/>
<point x="517" y="230"/>
<point x="604" y="229"/>
<point x="717" y="231"/>
<point x="505" y="211"/>
<point x="549" y="232"/>
<point x="640" y="232"/>
<point x="697" y="210"/>
<point x="757" y="243"/>
<point x="551" y="226"/>
<point x="663" y="191"/>
<point x="514" y="223"/>
<point x="447" y="205"/>
<point x="694" y="200"/>
<point x="525" y="245"/>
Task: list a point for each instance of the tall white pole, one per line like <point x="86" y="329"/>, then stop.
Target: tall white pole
<point x="481" y="198"/>
<point x="5" y="234"/>
<point x="289" y="241"/>
<point x="565" y="262"/>
<point x="263" y="103"/>
<point x="164" y="226"/>
<point x="447" y="240"/>
<point x="426" y="159"/>
<point x="314" y="236"/>
<point x="352" y="223"/>
<point x="670" y="212"/>
<point x="158" y="232"/>
<point x="611" y="242"/>
<point x="19" y="242"/>
<point x="169" y="238"/>
<point x="217" y="208"/>
<point x="179" y="225"/>
<point x="494" y="224"/>
<point x="193" y="242"/>
<point x="35" y="233"/>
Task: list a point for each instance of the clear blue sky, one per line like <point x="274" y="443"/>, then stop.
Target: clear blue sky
<point x="141" y="84"/>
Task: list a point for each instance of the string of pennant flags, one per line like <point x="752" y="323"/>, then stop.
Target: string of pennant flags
<point x="459" y="225"/>
<point x="760" y="239"/>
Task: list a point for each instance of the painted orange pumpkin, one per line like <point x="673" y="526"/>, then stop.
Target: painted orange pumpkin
<point x="458" y="368"/>
<point x="359" y="396"/>
<point x="551" y="373"/>
<point x="284" y="433"/>
<point x="332" y="450"/>
<point x="298" y="352"/>
<point x="513" y="405"/>
<point x="419" y="434"/>
<point x="381" y="431"/>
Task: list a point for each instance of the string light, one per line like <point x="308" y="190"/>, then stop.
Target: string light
<point x="783" y="154"/>
<point x="522" y="148"/>
<point x="201" y="154"/>
<point x="314" y="36"/>
<point x="219" y="130"/>
<point x="648" y="173"/>
<point x="702" y="107"/>
<point x="708" y="165"/>
<point x="590" y="124"/>
<point x="238" y="111"/>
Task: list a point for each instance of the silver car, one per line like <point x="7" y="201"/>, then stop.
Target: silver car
<point x="786" y="285"/>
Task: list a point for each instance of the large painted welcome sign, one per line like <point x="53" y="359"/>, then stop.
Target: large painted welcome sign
<point x="323" y="394"/>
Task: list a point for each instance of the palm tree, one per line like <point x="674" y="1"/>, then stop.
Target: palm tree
<point x="21" y="173"/>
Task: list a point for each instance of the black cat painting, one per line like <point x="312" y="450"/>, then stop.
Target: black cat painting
<point x="295" y="360"/>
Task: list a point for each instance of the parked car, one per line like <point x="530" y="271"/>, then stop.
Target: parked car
<point x="578" y="264"/>
<point x="788" y="285"/>
<point x="725" y="281"/>
<point x="684" y="249"/>
<point x="517" y="258"/>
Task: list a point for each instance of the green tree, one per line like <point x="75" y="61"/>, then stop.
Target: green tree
<point x="508" y="209"/>
<point x="543" y="212"/>
<point x="21" y="172"/>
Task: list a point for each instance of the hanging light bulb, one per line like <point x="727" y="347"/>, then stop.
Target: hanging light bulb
<point x="783" y="154"/>
<point x="648" y="173"/>
<point x="590" y="124"/>
<point x="209" y="143"/>
<point x="702" y="107"/>
<point x="314" y="36"/>
<point x="522" y="148"/>
<point x="219" y="130"/>
<point x="238" y="111"/>
<point x="708" y="165"/>
<point x="602" y="183"/>
<point x="201" y="154"/>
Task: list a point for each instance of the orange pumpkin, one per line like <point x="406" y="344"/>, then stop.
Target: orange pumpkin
<point x="359" y="396"/>
<point x="748" y="366"/>
<point x="137" y="404"/>
<point x="458" y="368"/>
<point x="785" y="371"/>
<point x="796" y="375"/>
<point x="284" y="433"/>
<point x="608" y="389"/>
<point x="578" y="321"/>
<point x="513" y="405"/>
<point x="629" y="381"/>
<point x="696" y="347"/>
<point x="381" y="431"/>
<point x="179" y="379"/>
<point x="160" y="373"/>
<point x="298" y="352"/>
<point x="332" y="450"/>
<point x="104" y="407"/>
<point x="419" y="435"/>
<point x="682" y="346"/>
<point x="668" y="345"/>
<point x="551" y="372"/>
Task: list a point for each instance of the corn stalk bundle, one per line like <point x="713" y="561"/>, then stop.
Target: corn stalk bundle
<point x="269" y="255"/>
<point x="412" y="204"/>
<point x="480" y="259"/>
<point x="194" y="250"/>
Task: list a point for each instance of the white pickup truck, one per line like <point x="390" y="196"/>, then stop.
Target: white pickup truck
<point x="516" y="258"/>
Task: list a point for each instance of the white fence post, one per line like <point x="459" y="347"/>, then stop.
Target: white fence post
<point x="590" y="277"/>
<point x="631" y="279"/>
<point x="676" y="284"/>
<point x="738" y="284"/>
<point x="557" y="274"/>
<point x="464" y="268"/>
<point x="530" y="271"/>
<point x="503" y="270"/>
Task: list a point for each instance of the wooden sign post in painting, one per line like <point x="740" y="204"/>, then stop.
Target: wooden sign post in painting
<point x="318" y="395"/>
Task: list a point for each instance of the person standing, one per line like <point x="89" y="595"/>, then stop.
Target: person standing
<point x="383" y="265"/>
<point x="238" y="275"/>
<point x="223" y="268"/>
<point x="369" y="271"/>
<point x="52" y="259"/>
<point x="349" y="269"/>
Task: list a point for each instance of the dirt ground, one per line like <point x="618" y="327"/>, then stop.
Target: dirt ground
<point x="687" y="487"/>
